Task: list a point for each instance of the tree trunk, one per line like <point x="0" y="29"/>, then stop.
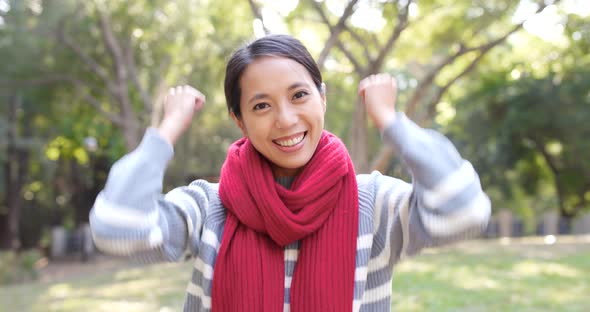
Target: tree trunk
<point x="358" y="142"/>
<point x="131" y="134"/>
<point x="14" y="174"/>
<point x="360" y="131"/>
<point x="84" y="193"/>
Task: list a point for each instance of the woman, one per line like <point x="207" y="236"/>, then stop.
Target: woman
<point x="290" y="227"/>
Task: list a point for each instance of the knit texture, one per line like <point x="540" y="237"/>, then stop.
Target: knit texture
<point x="444" y="203"/>
<point x="320" y="210"/>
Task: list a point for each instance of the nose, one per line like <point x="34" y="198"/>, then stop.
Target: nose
<point x="286" y="117"/>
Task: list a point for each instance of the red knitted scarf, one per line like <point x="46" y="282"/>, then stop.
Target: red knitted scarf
<point x="320" y="210"/>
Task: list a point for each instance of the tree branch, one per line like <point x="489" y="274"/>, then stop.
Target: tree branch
<point x="113" y="47"/>
<point x="555" y="170"/>
<point x="431" y="107"/>
<point x="362" y="42"/>
<point x="121" y="88"/>
<point x="334" y="30"/>
<point x="381" y="161"/>
<point x="58" y="78"/>
<point x="422" y="88"/>
<point x="160" y="91"/>
<point x="357" y="66"/>
<point x="130" y="63"/>
<point x="256" y="12"/>
<point x="423" y="85"/>
<point x="114" y="118"/>
<point x="399" y="28"/>
<point x="94" y="102"/>
<point x="63" y="37"/>
<point x="49" y="79"/>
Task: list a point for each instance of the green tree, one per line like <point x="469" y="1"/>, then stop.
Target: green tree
<point x="525" y="129"/>
<point x="83" y="71"/>
<point x="428" y="45"/>
<point x="17" y="134"/>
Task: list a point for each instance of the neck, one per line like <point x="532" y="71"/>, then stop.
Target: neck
<point x="279" y="172"/>
<point x="286" y="182"/>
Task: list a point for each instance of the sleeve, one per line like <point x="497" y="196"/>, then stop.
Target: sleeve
<point x="445" y="201"/>
<point x="131" y="216"/>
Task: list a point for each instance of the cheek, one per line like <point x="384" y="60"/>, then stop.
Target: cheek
<point x="255" y="128"/>
<point x="320" y="114"/>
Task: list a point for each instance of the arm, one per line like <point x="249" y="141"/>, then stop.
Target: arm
<point x="445" y="202"/>
<point x="131" y="216"/>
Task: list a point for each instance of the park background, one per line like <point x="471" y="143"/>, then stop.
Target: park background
<point x="507" y="81"/>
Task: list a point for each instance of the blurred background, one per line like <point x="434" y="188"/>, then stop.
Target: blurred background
<point x="507" y="81"/>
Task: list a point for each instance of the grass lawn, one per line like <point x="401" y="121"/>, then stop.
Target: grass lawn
<point x="496" y="275"/>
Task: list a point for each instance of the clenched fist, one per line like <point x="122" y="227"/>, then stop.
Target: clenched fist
<point x="378" y="94"/>
<point x="180" y="105"/>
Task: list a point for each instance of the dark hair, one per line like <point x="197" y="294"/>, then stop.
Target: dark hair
<point x="271" y="45"/>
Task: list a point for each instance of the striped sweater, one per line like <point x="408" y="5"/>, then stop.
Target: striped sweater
<point x="444" y="203"/>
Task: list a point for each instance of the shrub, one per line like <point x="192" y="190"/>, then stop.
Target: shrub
<point x="18" y="267"/>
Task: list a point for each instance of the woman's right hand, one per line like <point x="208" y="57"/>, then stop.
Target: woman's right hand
<point x="378" y="94"/>
<point x="180" y="105"/>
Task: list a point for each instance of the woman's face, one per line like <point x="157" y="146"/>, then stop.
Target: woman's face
<point x="282" y="112"/>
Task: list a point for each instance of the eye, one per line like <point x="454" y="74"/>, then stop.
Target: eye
<point x="299" y="94"/>
<point x="260" y="106"/>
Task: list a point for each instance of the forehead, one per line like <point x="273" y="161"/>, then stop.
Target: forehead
<point x="272" y="73"/>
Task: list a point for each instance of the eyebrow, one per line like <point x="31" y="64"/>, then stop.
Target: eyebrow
<point x="260" y="96"/>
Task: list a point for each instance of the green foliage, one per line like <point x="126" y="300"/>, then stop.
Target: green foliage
<point x="188" y="41"/>
<point x="18" y="267"/>
<point x="172" y="43"/>
<point x="521" y="120"/>
<point x="529" y="131"/>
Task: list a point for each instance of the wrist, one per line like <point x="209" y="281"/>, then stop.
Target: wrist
<point x="385" y="120"/>
<point x="169" y="132"/>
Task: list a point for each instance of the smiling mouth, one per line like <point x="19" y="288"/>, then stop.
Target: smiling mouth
<point x="292" y="141"/>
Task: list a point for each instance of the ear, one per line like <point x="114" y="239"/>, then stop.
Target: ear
<point x="239" y="123"/>
<point x="323" y="95"/>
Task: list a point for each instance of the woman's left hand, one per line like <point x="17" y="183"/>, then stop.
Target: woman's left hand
<point x="378" y="93"/>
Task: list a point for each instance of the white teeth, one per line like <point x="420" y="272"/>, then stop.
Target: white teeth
<point x="290" y="142"/>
